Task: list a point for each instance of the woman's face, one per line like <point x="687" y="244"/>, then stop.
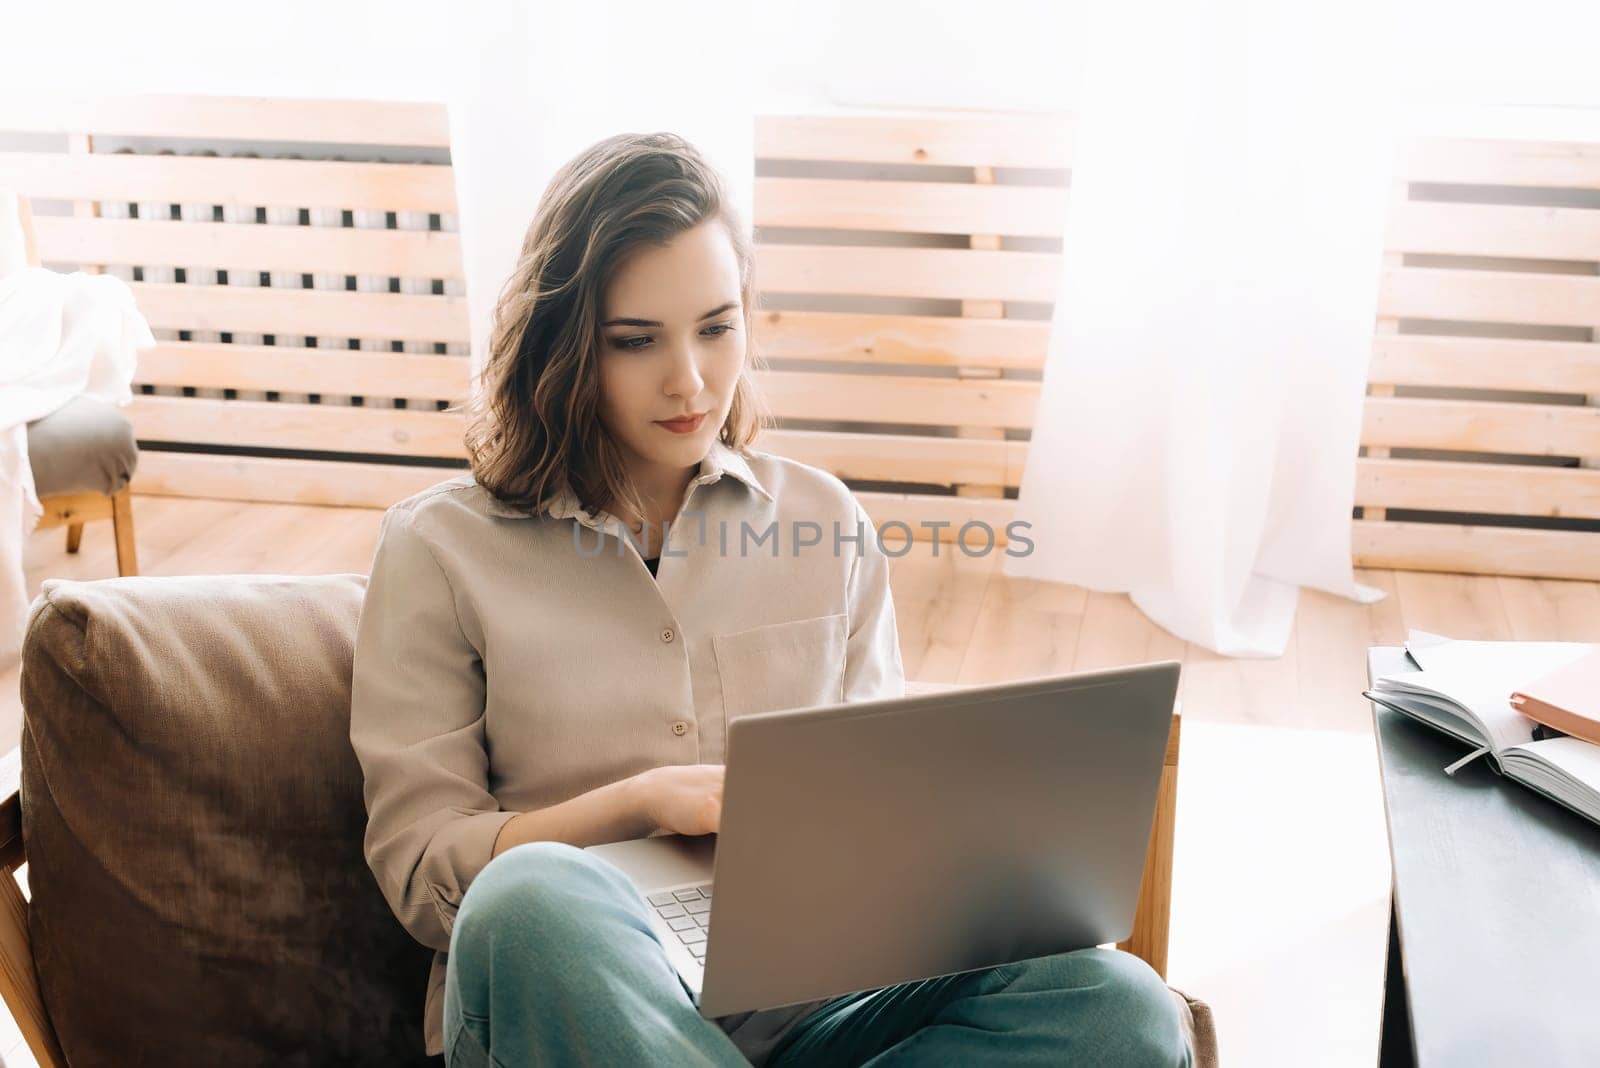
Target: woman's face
<point x="671" y="344"/>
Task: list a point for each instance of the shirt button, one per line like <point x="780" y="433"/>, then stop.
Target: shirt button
<point x="666" y="635"/>
<point x="680" y="727"/>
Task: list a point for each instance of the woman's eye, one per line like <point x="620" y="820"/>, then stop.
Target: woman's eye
<point x="634" y="344"/>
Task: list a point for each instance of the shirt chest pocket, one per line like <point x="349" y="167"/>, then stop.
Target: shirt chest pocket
<point x="795" y="664"/>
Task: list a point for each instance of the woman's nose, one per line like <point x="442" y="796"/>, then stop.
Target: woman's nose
<point x="683" y="376"/>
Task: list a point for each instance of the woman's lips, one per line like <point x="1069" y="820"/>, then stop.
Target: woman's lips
<point x="682" y="426"/>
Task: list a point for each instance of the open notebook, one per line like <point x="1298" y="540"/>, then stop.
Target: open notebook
<point x="1464" y="689"/>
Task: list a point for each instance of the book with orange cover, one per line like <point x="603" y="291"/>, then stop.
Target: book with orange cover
<point x="1567" y="698"/>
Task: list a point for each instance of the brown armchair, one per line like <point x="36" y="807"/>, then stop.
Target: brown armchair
<point x="192" y="816"/>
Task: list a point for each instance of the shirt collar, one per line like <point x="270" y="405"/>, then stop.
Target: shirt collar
<point x="719" y="460"/>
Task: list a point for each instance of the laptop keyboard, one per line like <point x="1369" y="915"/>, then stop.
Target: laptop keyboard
<point x="688" y="913"/>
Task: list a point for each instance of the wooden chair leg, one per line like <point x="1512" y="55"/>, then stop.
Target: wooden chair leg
<point x="74" y="536"/>
<point x="122" y="525"/>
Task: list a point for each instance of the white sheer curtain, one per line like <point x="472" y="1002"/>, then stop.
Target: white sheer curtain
<point x="1195" y="443"/>
<point x="1196" y="439"/>
<point x="535" y="84"/>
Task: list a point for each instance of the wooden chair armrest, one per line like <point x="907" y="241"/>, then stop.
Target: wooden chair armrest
<point x="1152" y="918"/>
<point x="11" y="853"/>
<point x="19" y="983"/>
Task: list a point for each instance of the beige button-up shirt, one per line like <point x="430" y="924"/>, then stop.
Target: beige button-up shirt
<point x="508" y="660"/>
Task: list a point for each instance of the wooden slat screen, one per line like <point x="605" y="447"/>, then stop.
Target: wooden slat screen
<point x="298" y="262"/>
<point x="1481" y="438"/>
<point x="906" y="265"/>
<point x="907" y="268"/>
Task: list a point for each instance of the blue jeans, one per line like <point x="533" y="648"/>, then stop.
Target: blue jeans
<point x="552" y="962"/>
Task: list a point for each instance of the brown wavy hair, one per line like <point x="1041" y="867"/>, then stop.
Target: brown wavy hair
<point x="533" y="421"/>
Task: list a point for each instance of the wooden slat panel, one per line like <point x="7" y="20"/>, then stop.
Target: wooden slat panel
<point x="989" y="310"/>
<point x="252" y="478"/>
<point x="901" y="457"/>
<point x="1502" y="489"/>
<point x="1385" y="326"/>
<point x="1490" y="296"/>
<point x="311" y="249"/>
<point x="1481" y="426"/>
<point x="282" y="367"/>
<point x="915" y="510"/>
<point x="1486" y="363"/>
<point x="1564" y="165"/>
<point x="900" y="399"/>
<point x="970" y="141"/>
<point x="323" y="427"/>
<point x="903" y="339"/>
<point x="354" y="122"/>
<point x="1477" y="550"/>
<point x="940" y="273"/>
<point x="231" y="181"/>
<point x="1495" y="230"/>
<point x="314" y="313"/>
<point x="1483" y="363"/>
<point x="911" y="207"/>
<point x="380" y="485"/>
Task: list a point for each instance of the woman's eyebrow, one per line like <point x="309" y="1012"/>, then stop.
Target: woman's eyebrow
<point x="651" y="322"/>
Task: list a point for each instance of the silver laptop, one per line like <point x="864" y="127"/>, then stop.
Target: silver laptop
<point x="882" y="842"/>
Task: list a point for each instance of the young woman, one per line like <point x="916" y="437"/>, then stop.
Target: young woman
<point x="545" y="660"/>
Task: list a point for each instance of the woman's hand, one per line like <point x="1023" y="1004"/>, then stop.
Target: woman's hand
<point x="682" y="798"/>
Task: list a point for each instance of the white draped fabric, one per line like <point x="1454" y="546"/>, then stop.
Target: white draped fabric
<point x="61" y="336"/>
<point x="1196" y="438"/>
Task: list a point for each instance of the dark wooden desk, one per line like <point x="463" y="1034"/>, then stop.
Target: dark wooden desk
<point x="1494" y="926"/>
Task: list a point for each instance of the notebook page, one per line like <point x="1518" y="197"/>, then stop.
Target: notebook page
<point x="1474" y="690"/>
<point x="1567" y="767"/>
<point x="1495" y="665"/>
<point x="1421" y="639"/>
<point x="1431" y="710"/>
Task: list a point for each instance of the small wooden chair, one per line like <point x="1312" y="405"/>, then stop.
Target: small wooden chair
<point x="83" y="458"/>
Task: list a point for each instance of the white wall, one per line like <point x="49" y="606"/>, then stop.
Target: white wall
<point x="363" y="48"/>
<point x="1002" y="54"/>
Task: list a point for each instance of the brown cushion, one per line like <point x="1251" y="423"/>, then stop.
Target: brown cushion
<point x="86" y="446"/>
<point x="193" y="816"/>
<point x="1198" y="1028"/>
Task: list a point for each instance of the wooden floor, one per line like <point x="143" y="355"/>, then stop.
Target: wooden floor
<point x="1281" y="871"/>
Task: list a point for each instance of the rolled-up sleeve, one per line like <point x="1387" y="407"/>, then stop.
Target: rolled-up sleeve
<point x="873" y="668"/>
<point x="417" y="727"/>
